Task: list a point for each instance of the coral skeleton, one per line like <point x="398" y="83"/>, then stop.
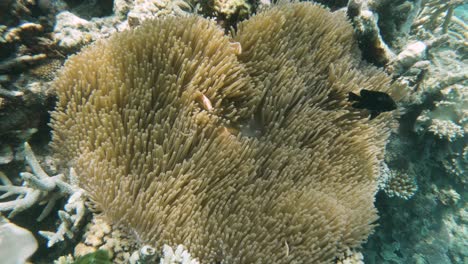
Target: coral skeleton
<point x="436" y="14"/>
<point x="40" y="188"/>
<point x="69" y="219"/>
<point x="115" y="239"/>
<point x="179" y="255"/>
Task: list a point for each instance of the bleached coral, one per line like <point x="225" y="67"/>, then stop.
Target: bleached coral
<point x="71" y="31"/>
<point x="446" y="129"/>
<point x="69" y="219"/>
<point x="436" y="14"/>
<point x="410" y="55"/>
<point x="38" y="188"/>
<point x="351" y="257"/>
<point x="365" y="21"/>
<point x="149" y="9"/>
<point x="449" y="119"/>
<point x="179" y="255"/>
<point x="99" y="234"/>
<point x="68" y="259"/>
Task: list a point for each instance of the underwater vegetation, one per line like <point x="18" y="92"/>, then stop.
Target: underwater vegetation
<point x="242" y="148"/>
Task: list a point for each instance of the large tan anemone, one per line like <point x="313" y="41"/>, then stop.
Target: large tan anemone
<point x="251" y="157"/>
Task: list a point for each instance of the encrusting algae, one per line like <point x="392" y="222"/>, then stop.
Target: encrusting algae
<point x="249" y="154"/>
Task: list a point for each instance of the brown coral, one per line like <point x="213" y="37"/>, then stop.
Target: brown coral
<point x="242" y="158"/>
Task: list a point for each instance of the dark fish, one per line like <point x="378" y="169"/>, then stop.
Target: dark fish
<point x="375" y="102"/>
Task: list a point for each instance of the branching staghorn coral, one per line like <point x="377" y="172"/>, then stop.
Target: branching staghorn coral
<point x="70" y="219"/>
<point x="243" y="149"/>
<point x="39" y="188"/>
<point x="436" y="14"/>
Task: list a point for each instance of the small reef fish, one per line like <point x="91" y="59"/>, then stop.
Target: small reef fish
<point x="375" y="102"/>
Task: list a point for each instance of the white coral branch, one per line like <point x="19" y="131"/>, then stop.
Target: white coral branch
<point x="38" y="187"/>
<point x="75" y="211"/>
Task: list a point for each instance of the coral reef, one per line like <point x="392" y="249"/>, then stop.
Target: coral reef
<point x="240" y="154"/>
<point x="351" y="257"/>
<point x="429" y="150"/>
<point x="448" y="122"/>
<point x="25" y="45"/>
<point x="385" y="27"/>
<point x="397" y="183"/>
<point x="73" y="29"/>
<point x="227" y="12"/>
<point x="430" y="147"/>
<point x="100" y="235"/>
<point x="36" y="37"/>
<point x="365" y="21"/>
<point x="34" y="41"/>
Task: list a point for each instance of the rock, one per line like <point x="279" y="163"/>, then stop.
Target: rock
<point x="69" y="30"/>
<point x="411" y="54"/>
<point x="6" y="154"/>
<point x="16" y="243"/>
